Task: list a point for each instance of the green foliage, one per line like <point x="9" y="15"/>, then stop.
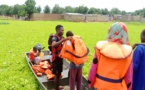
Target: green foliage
<point x="57" y="9"/>
<point x="19" y="10"/>
<point x="16" y="9"/>
<point x="46" y="9"/>
<point x="38" y="9"/>
<point x="4" y="9"/>
<point x="19" y="37"/>
<point x="69" y="9"/>
<point x="123" y="12"/>
<point x="143" y="10"/>
<point x="30" y="6"/>
<point x="94" y="11"/>
<point x="105" y="11"/>
<point x="11" y="10"/>
<point x="22" y="11"/>
<point x="81" y="9"/>
<point x="140" y="12"/>
<point x="115" y="11"/>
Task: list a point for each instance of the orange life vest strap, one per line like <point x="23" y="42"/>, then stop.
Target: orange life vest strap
<point x="77" y="55"/>
<point x="109" y="80"/>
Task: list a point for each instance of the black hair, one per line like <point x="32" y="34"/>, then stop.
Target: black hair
<point x="58" y="27"/>
<point x="143" y="32"/>
<point x="69" y="33"/>
<point x="35" y="49"/>
<point x="143" y="36"/>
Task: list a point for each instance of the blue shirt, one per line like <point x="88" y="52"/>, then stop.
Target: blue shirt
<point x="139" y="68"/>
<point x="73" y="66"/>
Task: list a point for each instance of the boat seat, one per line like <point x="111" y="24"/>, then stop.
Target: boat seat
<point x="46" y="57"/>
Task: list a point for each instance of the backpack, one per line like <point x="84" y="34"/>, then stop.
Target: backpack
<point x="50" y="41"/>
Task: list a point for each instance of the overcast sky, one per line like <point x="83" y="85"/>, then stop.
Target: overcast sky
<point x="127" y="5"/>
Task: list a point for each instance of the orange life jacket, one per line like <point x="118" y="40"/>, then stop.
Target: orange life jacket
<point x="55" y="50"/>
<point x="37" y="69"/>
<point x="75" y="50"/>
<point x="113" y="62"/>
<point x="43" y="67"/>
<point x="33" y="54"/>
<point x="49" y="74"/>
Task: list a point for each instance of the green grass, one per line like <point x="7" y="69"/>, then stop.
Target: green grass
<point x="19" y="37"/>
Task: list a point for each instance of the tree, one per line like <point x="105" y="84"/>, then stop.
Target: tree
<point x="98" y="11"/>
<point x="92" y="11"/>
<point x="38" y="9"/>
<point x="105" y="11"/>
<point x="46" y="9"/>
<point x="138" y="12"/>
<point x="69" y="9"/>
<point x="115" y="11"/>
<point x="19" y="10"/>
<point x="16" y="9"/>
<point x="30" y="7"/>
<point x="22" y="11"/>
<point x="123" y="13"/>
<point x="143" y="12"/>
<point x="57" y="9"/>
<point x="4" y="9"/>
<point x="133" y="13"/>
<point x="11" y="9"/>
<point x="81" y="9"/>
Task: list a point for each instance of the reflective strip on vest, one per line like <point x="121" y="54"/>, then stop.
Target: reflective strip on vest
<point x="110" y="80"/>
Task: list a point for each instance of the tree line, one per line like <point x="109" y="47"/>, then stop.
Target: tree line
<point x="29" y="7"/>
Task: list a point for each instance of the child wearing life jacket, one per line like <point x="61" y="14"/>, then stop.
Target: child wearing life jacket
<point x="34" y="55"/>
<point x="139" y="64"/>
<point x="75" y="72"/>
<point x="111" y="68"/>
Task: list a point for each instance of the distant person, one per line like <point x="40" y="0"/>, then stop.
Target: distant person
<point x="111" y="68"/>
<point x="139" y="64"/>
<point x="75" y="72"/>
<point x="56" y="42"/>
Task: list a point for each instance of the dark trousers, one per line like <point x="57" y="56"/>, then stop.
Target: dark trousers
<point x="75" y="78"/>
<point x="57" y="65"/>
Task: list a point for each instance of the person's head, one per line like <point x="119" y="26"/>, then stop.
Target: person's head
<point x="69" y="33"/>
<point x="59" y="30"/>
<point x="142" y="36"/>
<point x="118" y="33"/>
<point x="35" y="49"/>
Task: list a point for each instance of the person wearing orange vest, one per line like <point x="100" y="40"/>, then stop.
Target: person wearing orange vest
<point x="111" y="68"/>
<point x="75" y="71"/>
<point x="57" y="62"/>
<point x="34" y="55"/>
